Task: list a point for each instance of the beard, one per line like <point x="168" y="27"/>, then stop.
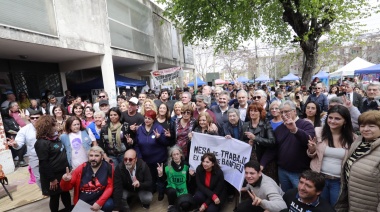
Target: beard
<point x="129" y="166"/>
<point x="95" y="164"/>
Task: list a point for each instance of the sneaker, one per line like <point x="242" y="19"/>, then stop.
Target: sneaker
<point x="22" y="163"/>
<point x="145" y="206"/>
<point x="160" y="196"/>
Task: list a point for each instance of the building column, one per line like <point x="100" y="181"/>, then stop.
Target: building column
<point x="108" y="76"/>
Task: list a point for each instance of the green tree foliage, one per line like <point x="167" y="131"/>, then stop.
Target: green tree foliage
<point x="227" y="23"/>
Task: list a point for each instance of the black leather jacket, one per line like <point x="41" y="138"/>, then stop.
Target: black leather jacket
<point x="264" y="137"/>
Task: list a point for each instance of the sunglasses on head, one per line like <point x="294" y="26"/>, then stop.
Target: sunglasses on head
<point x="128" y="159"/>
<point x="256" y="97"/>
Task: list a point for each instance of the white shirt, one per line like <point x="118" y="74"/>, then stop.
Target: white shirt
<point x="243" y="112"/>
<point x="42" y="109"/>
<point x="27" y="135"/>
<point x="78" y="154"/>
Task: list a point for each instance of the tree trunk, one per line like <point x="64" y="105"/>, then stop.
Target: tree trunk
<point x="310" y="49"/>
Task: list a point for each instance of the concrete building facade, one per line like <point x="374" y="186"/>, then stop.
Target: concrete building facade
<point x="44" y="44"/>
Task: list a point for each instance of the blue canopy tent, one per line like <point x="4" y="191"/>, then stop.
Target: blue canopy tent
<point x="199" y="82"/>
<point x="322" y="75"/>
<point x="290" y="77"/>
<point x="97" y="83"/>
<point x="369" y="70"/>
<point x="263" y="78"/>
<point x="242" y="79"/>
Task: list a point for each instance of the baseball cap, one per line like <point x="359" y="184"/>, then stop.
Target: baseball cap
<point x="103" y="102"/>
<point x="134" y="100"/>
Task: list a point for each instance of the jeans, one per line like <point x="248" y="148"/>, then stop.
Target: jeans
<point x="200" y="198"/>
<point x="288" y="180"/>
<point x="108" y="206"/>
<point x="116" y="159"/>
<point x="331" y="191"/>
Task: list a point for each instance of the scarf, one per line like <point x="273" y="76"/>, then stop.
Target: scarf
<point x="114" y="128"/>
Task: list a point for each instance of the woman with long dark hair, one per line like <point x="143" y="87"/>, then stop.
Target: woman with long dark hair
<point x="78" y="110"/>
<point x="210" y="194"/>
<point x="312" y="112"/>
<point x="52" y="161"/>
<point x="115" y="138"/>
<point x="59" y="113"/>
<point x="329" y="148"/>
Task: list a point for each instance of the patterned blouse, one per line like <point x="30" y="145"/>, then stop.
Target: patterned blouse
<point x="362" y="149"/>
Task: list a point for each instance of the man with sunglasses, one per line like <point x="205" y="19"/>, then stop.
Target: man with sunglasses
<point x="319" y="97"/>
<point x="132" y="178"/>
<point x="26" y="138"/>
<point x="260" y="97"/>
<point x="101" y="96"/>
<point x="92" y="181"/>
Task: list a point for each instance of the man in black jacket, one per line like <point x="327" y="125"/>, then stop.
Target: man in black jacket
<point x="306" y="197"/>
<point x="132" y="178"/>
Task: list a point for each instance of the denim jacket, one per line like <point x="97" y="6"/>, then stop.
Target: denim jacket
<point x="86" y="143"/>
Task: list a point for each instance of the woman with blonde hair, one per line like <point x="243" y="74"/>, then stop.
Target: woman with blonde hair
<point x="148" y="104"/>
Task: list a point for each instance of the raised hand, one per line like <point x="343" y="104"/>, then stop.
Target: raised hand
<point x="191" y="172"/>
<point x="129" y="139"/>
<point x="67" y="176"/>
<point x="160" y="168"/>
<point x="156" y="133"/>
<point x="212" y="128"/>
<point x="167" y="133"/>
<point x="255" y="200"/>
<point x="312" y="145"/>
<point x="133" y="127"/>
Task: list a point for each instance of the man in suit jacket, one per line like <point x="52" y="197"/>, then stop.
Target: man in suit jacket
<point x="355" y="98"/>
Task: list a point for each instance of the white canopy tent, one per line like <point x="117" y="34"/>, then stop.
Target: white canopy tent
<point x="349" y="68"/>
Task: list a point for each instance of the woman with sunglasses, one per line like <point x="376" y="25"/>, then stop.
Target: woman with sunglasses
<point x="60" y="116"/>
<point x="182" y="127"/>
<point x="52" y="161"/>
<point x="151" y="145"/>
<point x="115" y="138"/>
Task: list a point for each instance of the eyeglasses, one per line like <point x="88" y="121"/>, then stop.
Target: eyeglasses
<point x="275" y="108"/>
<point x="128" y="159"/>
<point x="186" y="112"/>
<point x="285" y="111"/>
<point x="256" y="97"/>
<point x="101" y="97"/>
<point x="34" y="118"/>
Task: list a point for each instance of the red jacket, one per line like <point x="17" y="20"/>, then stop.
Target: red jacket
<point x="75" y="183"/>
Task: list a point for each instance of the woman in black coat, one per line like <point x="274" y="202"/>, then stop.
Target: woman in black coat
<point x="210" y="194"/>
<point x="53" y="162"/>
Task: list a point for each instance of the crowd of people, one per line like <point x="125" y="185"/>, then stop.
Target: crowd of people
<point x="313" y="149"/>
